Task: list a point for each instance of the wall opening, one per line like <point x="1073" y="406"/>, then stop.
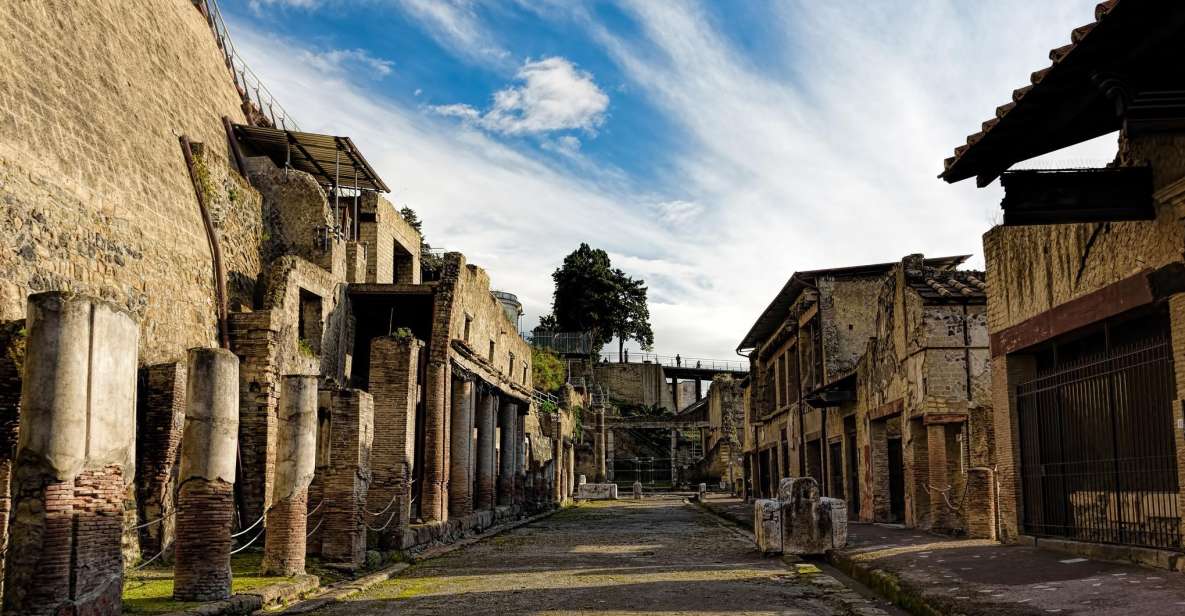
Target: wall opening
<point x="309" y="322"/>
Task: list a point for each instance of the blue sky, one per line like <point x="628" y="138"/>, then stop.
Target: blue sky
<point x="712" y="148"/>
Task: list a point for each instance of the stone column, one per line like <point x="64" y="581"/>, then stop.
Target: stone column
<point x="460" y="483"/>
<point x="570" y="476"/>
<point x="74" y="460"/>
<point x="520" y="457"/>
<point x="205" y="498"/>
<point x="486" y="451"/>
<point x="608" y="455"/>
<point x="557" y="468"/>
<point x="599" y="448"/>
<point x="674" y="448"/>
<point x="351" y="419"/>
<point x="394" y="385"/>
<point x="434" y="507"/>
<point x="507" y="467"/>
<point x="287" y="520"/>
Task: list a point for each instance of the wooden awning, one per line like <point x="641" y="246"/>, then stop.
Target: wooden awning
<point x="333" y="161"/>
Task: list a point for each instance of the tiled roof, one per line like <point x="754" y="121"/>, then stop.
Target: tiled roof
<point x="1058" y="57"/>
<point x="948" y="286"/>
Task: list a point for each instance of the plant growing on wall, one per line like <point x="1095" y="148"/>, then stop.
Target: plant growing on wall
<point x="591" y="296"/>
<point x="429" y="261"/>
<point x="547" y="371"/>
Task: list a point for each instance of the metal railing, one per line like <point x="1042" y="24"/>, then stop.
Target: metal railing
<point x="564" y="343"/>
<point x="677" y="361"/>
<point x="263" y="102"/>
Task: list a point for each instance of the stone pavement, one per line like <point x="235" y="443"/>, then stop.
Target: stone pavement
<point x="950" y="576"/>
<point x="656" y="556"/>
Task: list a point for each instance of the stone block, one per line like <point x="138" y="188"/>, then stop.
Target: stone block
<point x="767" y="525"/>
<point x="810" y="524"/>
<point x="637" y="490"/>
<point x="597" y="491"/>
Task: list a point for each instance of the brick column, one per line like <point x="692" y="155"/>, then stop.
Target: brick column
<point x="1177" y="329"/>
<point x="599" y="448"/>
<point x="394" y="385"/>
<point x="74" y="460"/>
<point x="939" y="477"/>
<point x="980" y="503"/>
<point x="287" y="520"/>
<point x="1008" y="371"/>
<point x="520" y="456"/>
<point x="12" y="355"/>
<point x="507" y="469"/>
<point x="486" y="451"/>
<point x="343" y="536"/>
<point x="434" y="507"/>
<point x="160" y="419"/>
<point x="570" y="471"/>
<point x="608" y="455"/>
<point x="205" y="500"/>
<point x="879" y="507"/>
<point x="557" y="468"/>
<point x="460" y="485"/>
<point x="254" y="336"/>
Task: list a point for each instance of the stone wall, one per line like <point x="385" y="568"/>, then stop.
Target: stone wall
<point x="392" y="245"/>
<point x="94" y="192"/>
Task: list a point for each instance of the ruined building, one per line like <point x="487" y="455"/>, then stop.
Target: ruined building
<point x="804" y="350"/>
<point x="923" y="439"/>
<point x="1086" y="310"/>
<point x="216" y="324"/>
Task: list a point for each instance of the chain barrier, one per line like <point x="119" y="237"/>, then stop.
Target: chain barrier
<point x="319" y="522"/>
<point x="385" y="509"/>
<point x="156" y="521"/>
<point x="248" y="544"/>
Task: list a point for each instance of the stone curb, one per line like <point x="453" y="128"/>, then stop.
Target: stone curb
<point x="249" y="602"/>
<point x="345" y="589"/>
<point x="889" y="586"/>
<point x="851" y="601"/>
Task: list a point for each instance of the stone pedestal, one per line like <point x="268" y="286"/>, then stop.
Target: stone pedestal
<point x="74" y="458"/>
<point x="597" y="491"/>
<point x="767" y="525"/>
<point x="287" y="521"/>
<point x="637" y="490"/>
<point x="810" y="524"/>
<point x="205" y="500"/>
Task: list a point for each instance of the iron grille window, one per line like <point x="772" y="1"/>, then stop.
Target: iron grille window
<point x="1098" y="458"/>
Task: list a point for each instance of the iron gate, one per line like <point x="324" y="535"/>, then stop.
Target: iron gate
<point x="1098" y="459"/>
<point x="648" y="471"/>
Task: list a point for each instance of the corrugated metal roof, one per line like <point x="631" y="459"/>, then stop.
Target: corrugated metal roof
<point x="333" y="161"/>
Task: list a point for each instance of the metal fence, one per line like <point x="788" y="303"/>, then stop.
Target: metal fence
<point x="255" y="94"/>
<point x="563" y="343"/>
<point x="1098" y="459"/>
<point x="677" y="361"/>
<point x="648" y="471"/>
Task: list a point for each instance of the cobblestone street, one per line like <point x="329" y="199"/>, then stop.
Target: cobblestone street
<point x="659" y="556"/>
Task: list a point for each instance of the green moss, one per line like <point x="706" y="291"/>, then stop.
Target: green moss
<point x="150" y="591"/>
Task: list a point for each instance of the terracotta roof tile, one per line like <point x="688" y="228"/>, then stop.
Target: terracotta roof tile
<point x="1056" y="56"/>
<point x="948" y="286"/>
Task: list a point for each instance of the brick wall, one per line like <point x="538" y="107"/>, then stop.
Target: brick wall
<point x="284" y="544"/>
<point x="12" y="353"/>
<point x="160" y="419"/>
<point x="255" y="339"/>
<point x="382" y="229"/>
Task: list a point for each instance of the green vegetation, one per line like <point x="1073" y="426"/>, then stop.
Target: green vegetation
<point x="428" y="261"/>
<point x="547" y="371"/>
<point x="305" y="348"/>
<point x="401" y="333"/>
<point x="591" y="296"/>
<point x="150" y="590"/>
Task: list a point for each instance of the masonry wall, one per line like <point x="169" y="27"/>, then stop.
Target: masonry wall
<point x="94" y="192"/>
<point x="382" y="228"/>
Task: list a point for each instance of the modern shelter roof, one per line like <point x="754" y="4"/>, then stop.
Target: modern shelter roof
<point x="333" y="161"/>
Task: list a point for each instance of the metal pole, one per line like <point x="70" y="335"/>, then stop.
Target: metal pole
<point x="337" y="157"/>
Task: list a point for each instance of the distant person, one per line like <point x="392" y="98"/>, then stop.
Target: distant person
<point x="699" y="364"/>
<point x="678" y="360"/>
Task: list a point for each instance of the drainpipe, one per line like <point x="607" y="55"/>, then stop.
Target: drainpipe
<point x="212" y="238"/>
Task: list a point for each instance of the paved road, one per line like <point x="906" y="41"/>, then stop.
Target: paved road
<point x="657" y="556"/>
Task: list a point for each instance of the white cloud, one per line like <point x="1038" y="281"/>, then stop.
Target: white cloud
<point x="822" y="153"/>
<point x="568" y="145"/>
<point x="258" y="6"/>
<point x="337" y="61"/>
<point x="554" y="95"/>
<point x="456" y="26"/>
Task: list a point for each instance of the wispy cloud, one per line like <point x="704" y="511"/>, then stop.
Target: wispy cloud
<point x="552" y="95"/>
<point x="336" y="61"/>
<point x="457" y="27"/>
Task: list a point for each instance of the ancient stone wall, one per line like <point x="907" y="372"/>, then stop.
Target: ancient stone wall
<point x="392" y="245"/>
<point x="94" y="192"/>
<point x="847" y="308"/>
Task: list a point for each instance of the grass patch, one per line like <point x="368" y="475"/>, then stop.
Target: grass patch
<point x="150" y="590"/>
